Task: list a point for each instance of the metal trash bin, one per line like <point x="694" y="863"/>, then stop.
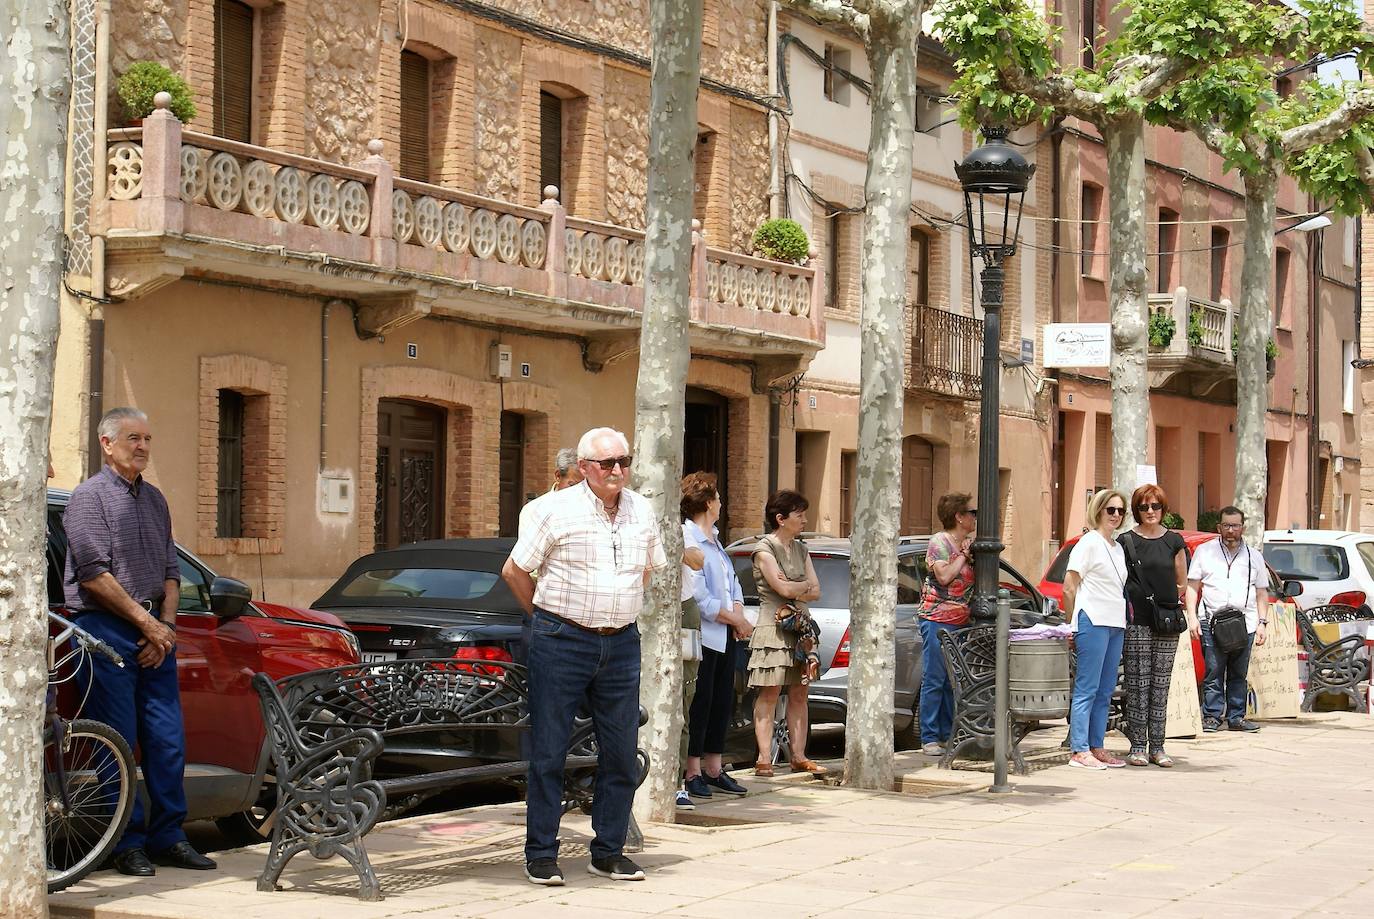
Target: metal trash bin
<point x="1038" y="679"/>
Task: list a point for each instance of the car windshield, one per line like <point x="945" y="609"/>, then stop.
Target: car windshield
<point x="455" y="584"/>
<point x="831" y="570"/>
<point x="1298" y="561"/>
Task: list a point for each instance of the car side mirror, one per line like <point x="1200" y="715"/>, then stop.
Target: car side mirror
<point x="229" y="597"/>
<point x="1292" y="588"/>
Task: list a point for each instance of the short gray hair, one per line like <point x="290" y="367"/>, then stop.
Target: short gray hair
<point x="114" y="419"/>
<point x="584" y="446"/>
<point x="564" y="461"/>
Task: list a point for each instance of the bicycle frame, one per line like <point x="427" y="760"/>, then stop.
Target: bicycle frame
<point x="56" y="727"/>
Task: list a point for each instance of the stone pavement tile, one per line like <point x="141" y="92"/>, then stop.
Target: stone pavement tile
<point x="1188" y="909"/>
<point x="954" y="887"/>
<point x="550" y="910"/>
<point x="1358" y="900"/>
<point x="808" y="892"/>
<point x="621" y="896"/>
<point x="902" y="904"/>
<point x="1067" y="899"/>
<point x="1054" y="912"/>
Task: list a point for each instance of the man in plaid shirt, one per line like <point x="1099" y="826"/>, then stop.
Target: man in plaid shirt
<point x="593" y="546"/>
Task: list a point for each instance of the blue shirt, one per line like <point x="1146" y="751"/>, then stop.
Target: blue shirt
<point x="122" y="528"/>
<point x="717" y="589"/>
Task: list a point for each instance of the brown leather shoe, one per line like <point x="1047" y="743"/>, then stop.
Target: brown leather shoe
<point x="806" y="765"/>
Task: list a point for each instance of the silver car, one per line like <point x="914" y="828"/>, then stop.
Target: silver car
<point x="829" y="696"/>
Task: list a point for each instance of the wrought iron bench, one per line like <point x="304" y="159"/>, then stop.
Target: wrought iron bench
<point x="328" y="730"/>
<point x="1333" y="667"/>
<point x="971" y="662"/>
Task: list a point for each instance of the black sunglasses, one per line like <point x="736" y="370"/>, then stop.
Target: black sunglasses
<point x="611" y="462"/>
<point x="972" y="511"/>
<point x="1114" y="511"/>
<point x="1152" y="506"/>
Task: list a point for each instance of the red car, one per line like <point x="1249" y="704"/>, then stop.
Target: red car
<point x="223" y="638"/>
<point x="1052" y="584"/>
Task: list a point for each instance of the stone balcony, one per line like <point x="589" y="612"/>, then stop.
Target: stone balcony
<point x="1199" y="363"/>
<point x="181" y="204"/>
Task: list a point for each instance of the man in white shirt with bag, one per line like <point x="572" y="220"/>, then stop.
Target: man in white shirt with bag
<point x="1227" y="593"/>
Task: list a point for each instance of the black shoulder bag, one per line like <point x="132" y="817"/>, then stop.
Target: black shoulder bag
<point x="1229" y="631"/>
<point x="1145" y="607"/>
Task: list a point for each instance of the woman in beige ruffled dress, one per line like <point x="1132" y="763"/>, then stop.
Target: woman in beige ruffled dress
<point x="784" y="575"/>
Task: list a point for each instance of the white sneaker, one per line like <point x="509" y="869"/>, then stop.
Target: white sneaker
<point x="932" y="749"/>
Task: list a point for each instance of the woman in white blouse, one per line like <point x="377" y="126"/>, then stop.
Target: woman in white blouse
<point x="1094" y="592"/>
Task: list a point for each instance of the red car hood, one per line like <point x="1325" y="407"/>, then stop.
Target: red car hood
<point x="312" y="616"/>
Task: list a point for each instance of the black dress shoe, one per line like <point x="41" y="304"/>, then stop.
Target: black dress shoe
<point x="182" y="855"/>
<point x="133" y="862"/>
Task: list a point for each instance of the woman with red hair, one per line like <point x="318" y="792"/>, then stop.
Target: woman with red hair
<point x="1159" y="562"/>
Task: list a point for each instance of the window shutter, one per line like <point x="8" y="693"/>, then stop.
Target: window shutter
<point x="1102" y="459"/>
<point x="229" y="490"/>
<point x="414" y="116"/>
<point x="551" y="143"/>
<point x="233" y="70"/>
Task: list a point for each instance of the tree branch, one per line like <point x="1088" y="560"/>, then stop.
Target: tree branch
<point x="852" y="14"/>
<point x="1356" y="107"/>
<point x="1161" y="75"/>
<point x="1365" y="159"/>
<point x="1055" y="90"/>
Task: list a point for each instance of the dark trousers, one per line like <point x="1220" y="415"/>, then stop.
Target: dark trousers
<point x="709" y="718"/>
<point x="1224" y="687"/>
<point x="144" y="706"/>
<point x="567" y="666"/>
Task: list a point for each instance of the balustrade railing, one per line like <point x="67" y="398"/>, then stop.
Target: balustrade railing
<point x="161" y="178"/>
<point x="946" y="352"/>
<point x="1202" y="328"/>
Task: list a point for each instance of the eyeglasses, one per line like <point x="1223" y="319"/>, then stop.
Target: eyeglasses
<point x="1152" y="506"/>
<point x="1231" y="526"/>
<point x="611" y="462"/>
<point x="1114" y="511"/>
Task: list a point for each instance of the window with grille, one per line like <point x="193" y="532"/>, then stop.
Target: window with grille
<point x="230" y="482"/>
<point x="415" y="92"/>
<point x="233" y="102"/>
<point x="551" y="143"/>
<point x="832" y="267"/>
<point x="1167" y="245"/>
<point x="849" y="473"/>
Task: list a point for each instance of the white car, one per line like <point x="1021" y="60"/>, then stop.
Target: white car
<point x="1334" y="566"/>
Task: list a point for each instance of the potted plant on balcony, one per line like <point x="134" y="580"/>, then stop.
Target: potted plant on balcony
<point x="1195" y="328"/>
<point x="782" y="240"/>
<point x="145" y="79"/>
<point x="1162" y="328"/>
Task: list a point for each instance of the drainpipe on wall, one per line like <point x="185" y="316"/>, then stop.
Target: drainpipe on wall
<point x="775" y="154"/>
<point x="1056" y="459"/>
<point x="1314" y="256"/>
<point x="95" y="324"/>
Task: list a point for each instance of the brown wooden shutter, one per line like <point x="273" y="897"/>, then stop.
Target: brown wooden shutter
<point x="233" y="103"/>
<point x="550" y="143"/>
<point x="414" y="116"/>
<point x="1102" y="454"/>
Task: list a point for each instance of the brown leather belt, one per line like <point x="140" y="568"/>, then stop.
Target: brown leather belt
<point x="595" y="630"/>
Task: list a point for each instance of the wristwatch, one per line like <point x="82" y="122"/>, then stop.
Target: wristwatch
<point x="1264" y="622"/>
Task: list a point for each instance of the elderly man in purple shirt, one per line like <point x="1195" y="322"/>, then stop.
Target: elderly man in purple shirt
<point x="124" y="581"/>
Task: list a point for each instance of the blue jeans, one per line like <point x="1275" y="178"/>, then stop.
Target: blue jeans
<point x="1224" y="688"/>
<point x="567" y="666"/>
<point x="1098" y="651"/>
<point x="937" y="695"/>
<point x="144" y="705"/>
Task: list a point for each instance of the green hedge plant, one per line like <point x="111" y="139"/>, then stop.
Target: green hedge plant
<point x="782" y="240"/>
<point x="1207" y="521"/>
<point x="145" y="79"/>
<point x="1173" y="521"/>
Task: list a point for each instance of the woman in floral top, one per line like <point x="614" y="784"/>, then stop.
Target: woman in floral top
<point x="944" y="608"/>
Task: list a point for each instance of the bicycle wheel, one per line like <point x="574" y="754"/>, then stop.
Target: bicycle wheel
<point x="88" y="794"/>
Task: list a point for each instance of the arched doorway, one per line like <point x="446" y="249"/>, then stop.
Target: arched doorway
<point x="704" y="440"/>
<point x="918" y="486"/>
<point x="410" y="470"/>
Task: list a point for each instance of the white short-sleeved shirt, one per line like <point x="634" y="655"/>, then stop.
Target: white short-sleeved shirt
<point x="1101" y="563"/>
<point x="689" y="577"/>
<point x="1228" y="580"/>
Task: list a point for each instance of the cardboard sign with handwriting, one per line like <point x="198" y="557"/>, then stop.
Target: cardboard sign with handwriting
<point x="1274" y="668"/>
<point x="1185" y="714"/>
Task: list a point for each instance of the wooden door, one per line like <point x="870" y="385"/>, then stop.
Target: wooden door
<point x="704" y="445"/>
<point x="410" y="464"/>
<point x="512" y="471"/>
<point x="918" y="486"/>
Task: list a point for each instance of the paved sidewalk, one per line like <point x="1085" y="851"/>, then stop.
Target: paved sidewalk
<point x="1279" y="823"/>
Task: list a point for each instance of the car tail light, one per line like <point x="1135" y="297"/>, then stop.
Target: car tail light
<point x="841" y="658"/>
<point x="1349" y="598"/>
<point x="482" y="653"/>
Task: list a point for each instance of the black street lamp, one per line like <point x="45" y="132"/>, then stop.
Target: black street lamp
<point x="994" y="179"/>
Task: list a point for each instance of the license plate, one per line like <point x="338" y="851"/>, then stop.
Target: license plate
<point x="378" y="657"/>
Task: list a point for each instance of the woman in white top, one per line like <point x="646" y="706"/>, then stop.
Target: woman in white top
<point x="1094" y="593"/>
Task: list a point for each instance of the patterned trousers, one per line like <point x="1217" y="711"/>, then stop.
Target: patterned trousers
<point x="1149" y="665"/>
